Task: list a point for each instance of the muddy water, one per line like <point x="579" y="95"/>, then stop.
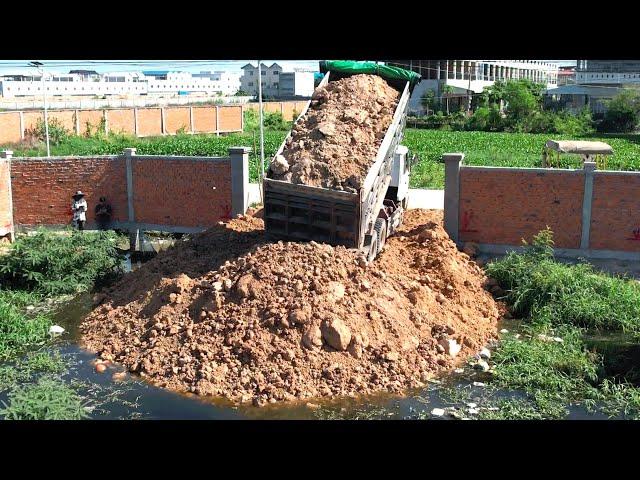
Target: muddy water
<point x="133" y="398"/>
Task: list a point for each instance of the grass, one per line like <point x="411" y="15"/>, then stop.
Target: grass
<point x="564" y="301"/>
<point x="48" y="399"/>
<point x="553" y="293"/>
<point x="53" y="264"/>
<point x="19" y="332"/>
<point x="503" y="149"/>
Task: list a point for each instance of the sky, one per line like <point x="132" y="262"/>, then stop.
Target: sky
<point x="194" y="66"/>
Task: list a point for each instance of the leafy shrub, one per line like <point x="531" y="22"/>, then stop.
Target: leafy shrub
<point x="57" y="131"/>
<point x="552" y="293"/>
<point x="48" y="399"/>
<point x="18" y="331"/>
<point x="57" y="264"/>
<point x="623" y="113"/>
<point x="486" y="119"/>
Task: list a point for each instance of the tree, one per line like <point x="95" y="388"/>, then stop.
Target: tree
<point x="623" y="112"/>
<point x="446" y="90"/>
<point x="428" y="100"/>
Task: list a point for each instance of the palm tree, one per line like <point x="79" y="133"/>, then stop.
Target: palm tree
<point x="446" y="90"/>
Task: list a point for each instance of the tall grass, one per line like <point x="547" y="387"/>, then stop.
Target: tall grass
<point x="548" y="292"/>
<point x="54" y="264"/>
<point x="18" y="331"/>
<point x="48" y="399"/>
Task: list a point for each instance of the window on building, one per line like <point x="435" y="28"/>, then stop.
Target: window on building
<point x="250" y="84"/>
<point x="276" y="73"/>
<point x="262" y="72"/>
<point x="251" y="74"/>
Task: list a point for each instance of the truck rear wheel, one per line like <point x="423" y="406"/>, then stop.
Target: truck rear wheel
<point x="373" y="249"/>
<point x="380" y="228"/>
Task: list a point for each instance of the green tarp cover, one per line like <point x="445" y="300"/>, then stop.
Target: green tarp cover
<point x="385" y="71"/>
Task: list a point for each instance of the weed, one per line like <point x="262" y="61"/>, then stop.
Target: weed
<point x="19" y="332"/>
<point x="48" y="399"/>
<point x="54" y="264"/>
<point x="552" y="293"/>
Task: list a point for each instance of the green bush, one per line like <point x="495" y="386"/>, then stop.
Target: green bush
<point x="19" y="331"/>
<point x="548" y="292"/>
<point x="48" y="399"/>
<point x="623" y="113"/>
<point x="57" y="131"/>
<point x="55" y="264"/>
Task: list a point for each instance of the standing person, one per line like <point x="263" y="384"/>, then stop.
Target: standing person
<point x="103" y="214"/>
<point x="79" y="208"/>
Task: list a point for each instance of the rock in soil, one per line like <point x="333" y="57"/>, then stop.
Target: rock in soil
<point x="291" y="321"/>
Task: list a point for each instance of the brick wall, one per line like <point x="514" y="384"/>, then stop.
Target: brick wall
<point x="501" y="206"/>
<point x="42" y="187"/>
<point x="286" y="108"/>
<point x="189" y="192"/>
<point x="124" y="120"/>
<point x="615" y="211"/>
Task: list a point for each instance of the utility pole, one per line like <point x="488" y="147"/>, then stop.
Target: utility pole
<point x="39" y="67"/>
<point x="261" y="130"/>
<point x="469" y="88"/>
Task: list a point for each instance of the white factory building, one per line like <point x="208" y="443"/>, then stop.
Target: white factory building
<point x="472" y="76"/>
<point x="276" y="83"/>
<point x="80" y="83"/>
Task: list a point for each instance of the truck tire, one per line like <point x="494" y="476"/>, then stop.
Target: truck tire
<point x="373" y="249"/>
<point x="380" y="228"/>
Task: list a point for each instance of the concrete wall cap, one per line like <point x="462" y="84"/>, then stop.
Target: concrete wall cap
<point x="239" y="150"/>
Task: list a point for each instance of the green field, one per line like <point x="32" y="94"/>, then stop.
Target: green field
<point x="480" y="148"/>
<point x="503" y="149"/>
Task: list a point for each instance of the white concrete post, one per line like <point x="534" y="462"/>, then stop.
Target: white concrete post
<point x="21" y="125"/>
<point x="129" y="153"/>
<point x="589" y="172"/>
<point x="239" y="157"/>
<point x="217" y="122"/>
<point x="6" y="155"/>
<point x="191" y="119"/>
<point x="163" y="128"/>
<point x="452" y="163"/>
<point x="135" y="121"/>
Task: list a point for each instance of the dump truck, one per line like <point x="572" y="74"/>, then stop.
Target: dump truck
<point x="361" y="220"/>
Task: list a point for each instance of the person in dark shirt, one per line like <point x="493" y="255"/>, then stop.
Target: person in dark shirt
<point x="103" y="214"/>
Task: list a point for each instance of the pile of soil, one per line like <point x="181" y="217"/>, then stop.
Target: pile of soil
<point x="336" y="142"/>
<point x="229" y="315"/>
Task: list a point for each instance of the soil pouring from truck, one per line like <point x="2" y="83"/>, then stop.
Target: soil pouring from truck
<point x="361" y="220"/>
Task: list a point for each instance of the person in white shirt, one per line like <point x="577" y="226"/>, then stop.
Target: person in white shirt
<point x="79" y="208"/>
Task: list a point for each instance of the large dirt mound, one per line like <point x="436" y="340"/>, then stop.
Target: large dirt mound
<point x="336" y="142"/>
<point x="229" y="315"/>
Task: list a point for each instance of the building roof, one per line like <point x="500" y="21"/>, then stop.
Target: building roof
<point x="591" y="90"/>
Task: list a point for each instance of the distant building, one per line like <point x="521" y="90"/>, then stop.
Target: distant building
<point x="270" y="79"/>
<point x="294" y="85"/>
<point x="468" y="77"/>
<point x="596" y="82"/>
<point x="566" y="76"/>
<point x="608" y="72"/>
<point x="90" y="83"/>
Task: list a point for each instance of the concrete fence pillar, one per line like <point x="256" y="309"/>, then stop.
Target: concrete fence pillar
<point x="589" y="171"/>
<point x="217" y="121"/>
<point x="239" y="179"/>
<point x="163" y="122"/>
<point x="5" y="190"/>
<point x="135" y="122"/>
<point x="452" y="164"/>
<point x="21" y="125"/>
<point x="134" y="236"/>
